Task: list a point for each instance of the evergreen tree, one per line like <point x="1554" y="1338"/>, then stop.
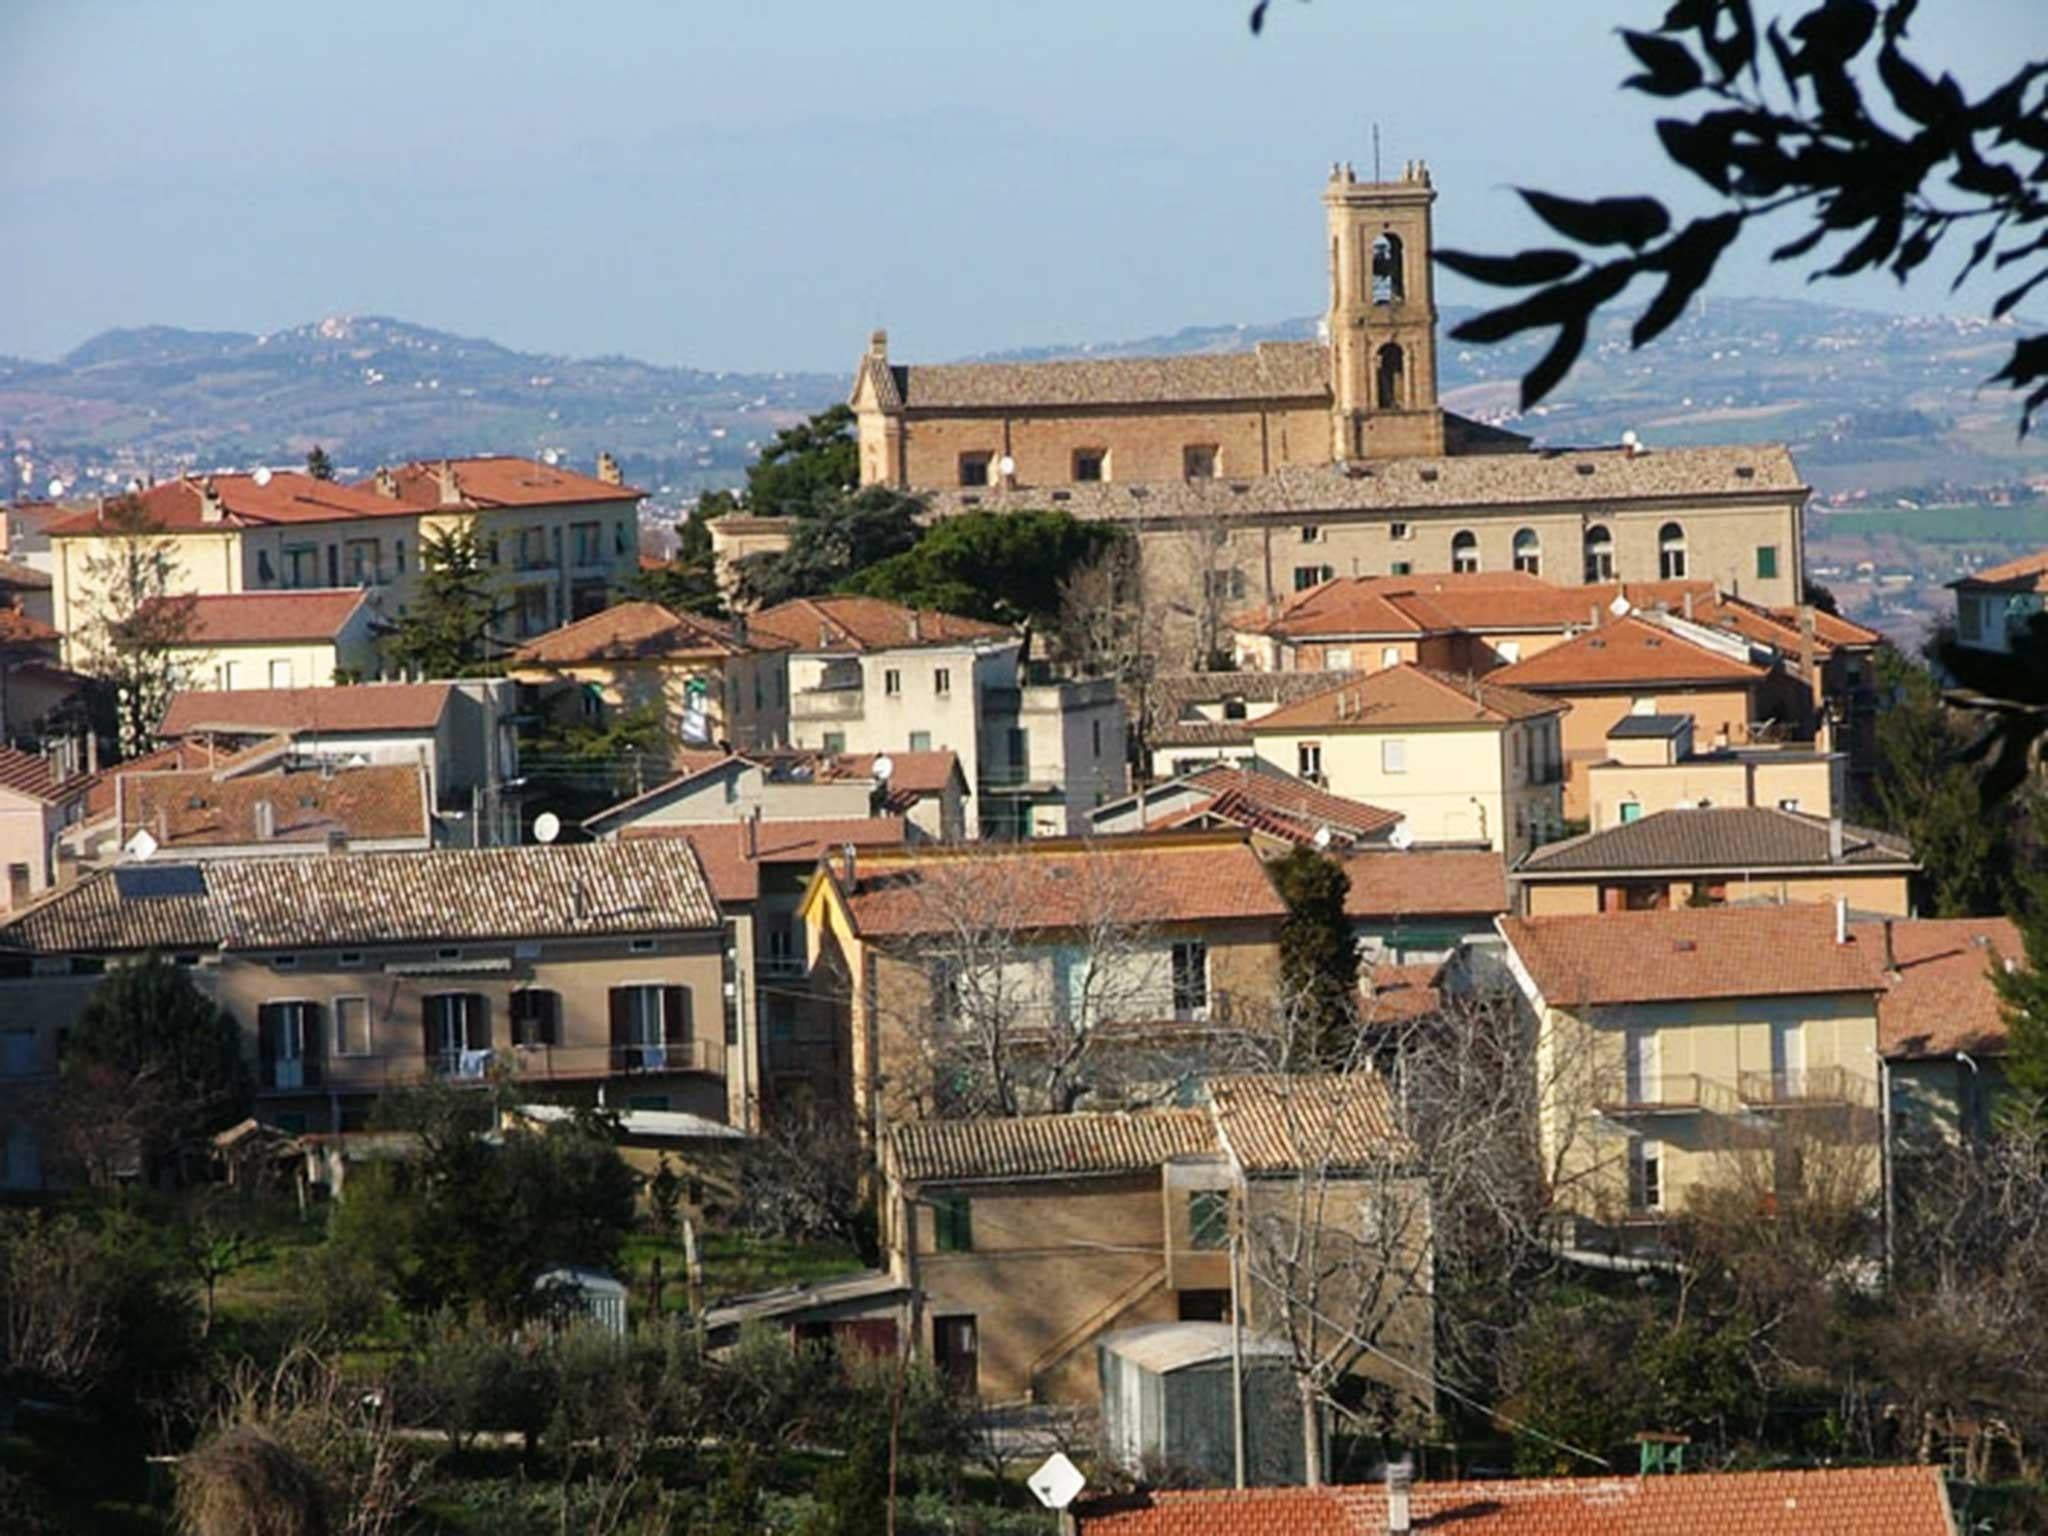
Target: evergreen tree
<point x="1318" y="957"/>
<point x="831" y="544"/>
<point x="2023" y="999"/>
<point x="808" y="465"/>
<point x="1004" y="567"/>
<point x="689" y="582"/>
<point x="448" y="629"/>
<point x="318" y="465"/>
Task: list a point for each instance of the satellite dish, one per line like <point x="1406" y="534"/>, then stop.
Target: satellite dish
<point x="141" y="846"/>
<point x="1629" y="438"/>
<point x="1619" y="606"/>
<point x="56" y="489"/>
<point x="1006" y="465"/>
<point x="1401" y="837"/>
<point x="262" y="475"/>
<point x="884" y="766"/>
<point x="551" y="458"/>
<point x="1322" y="839"/>
<point x="1057" y="1483"/>
<point x="547" y="826"/>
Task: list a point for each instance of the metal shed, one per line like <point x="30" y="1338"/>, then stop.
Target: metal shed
<point x="1166" y="1400"/>
<point x="585" y="1295"/>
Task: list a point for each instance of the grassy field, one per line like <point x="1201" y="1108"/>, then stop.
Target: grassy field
<point x="1940" y="525"/>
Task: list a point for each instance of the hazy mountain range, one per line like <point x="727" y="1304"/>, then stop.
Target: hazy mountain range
<point x="1866" y="399"/>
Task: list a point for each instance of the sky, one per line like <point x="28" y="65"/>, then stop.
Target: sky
<point x="757" y="184"/>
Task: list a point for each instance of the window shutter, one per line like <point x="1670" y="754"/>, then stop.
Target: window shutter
<point x="428" y="1045"/>
<point x="551" y="1018"/>
<point x="479" y="1022"/>
<point x="314" y="1046"/>
<point x="675" y="1015"/>
<point x="619" y="996"/>
<point x="266" y="1040"/>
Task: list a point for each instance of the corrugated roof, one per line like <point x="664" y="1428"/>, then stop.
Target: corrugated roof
<point x="29" y="774"/>
<point x="1726" y="837"/>
<point x="447" y="895"/>
<point x="1426" y="882"/>
<point x="843" y="623"/>
<point x="362" y="707"/>
<point x="1647" y="727"/>
<point x="1834" y="1501"/>
<point x="1940" y="999"/>
<point x="1047" y="1146"/>
<point x="1689" y="953"/>
<point x="1407" y="695"/>
<point x="1275" y="1124"/>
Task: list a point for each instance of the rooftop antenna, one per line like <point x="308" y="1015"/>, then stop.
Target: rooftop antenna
<point x="1375" y="150"/>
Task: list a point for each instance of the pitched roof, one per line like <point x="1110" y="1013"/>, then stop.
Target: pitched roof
<point x="1063" y="883"/>
<point x="1394" y="993"/>
<point x="242" y="501"/>
<point x="1835" y="1501"/>
<point x="253" y="618"/>
<point x="204" y="808"/>
<point x="1426" y="882"/>
<point x="846" y="623"/>
<point x="639" y="632"/>
<point x="362" y="707"/>
<point x="1407" y="695"/>
<point x="29" y="773"/>
<point x="1270" y="1123"/>
<point x="442" y="895"/>
<point x="2029" y="573"/>
<point x="1940" y="999"/>
<point x="1174" y="701"/>
<point x="1585" y="478"/>
<point x="14" y="574"/>
<point x="1688" y="953"/>
<point x="1726" y="837"/>
<point x="1272" y="369"/>
<point x="496" y="480"/>
<point x="17" y="628"/>
<point x="1279" y="805"/>
<point x="736" y="873"/>
<point x="1048" y="1146"/>
<point x="1624" y="652"/>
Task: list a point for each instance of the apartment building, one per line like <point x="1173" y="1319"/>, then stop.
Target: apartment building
<point x="1652" y="764"/>
<point x="926" y="790"/>
<point x="1147" y="939"/>
<point x="1460" y="760"/>
<point x="261" y="807"/>
<point x="310" y="639"/>
<point x="580" y="971"/>
<point x="1734" y="1047"/>
<point x="1193" y="719"/>
<point x="1998" y="603"/>
<point x="709" y="680"/>
<point x="867" y="676"/>
<point x="1424" y="906"/>
<point x="38" y="801"/>
<point x="31" y="682"/>
<point x="1942" y="1025"/>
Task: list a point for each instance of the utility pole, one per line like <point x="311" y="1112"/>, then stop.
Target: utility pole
<point x="1236" y="1361"/>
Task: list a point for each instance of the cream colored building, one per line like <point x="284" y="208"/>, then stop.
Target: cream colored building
<point x="38" y="800"/>
<point x="1732" y="1047"/>
<point x="1462" y="761"/>
<point x="1651" y="766"/>
<point x="310" y="639"/>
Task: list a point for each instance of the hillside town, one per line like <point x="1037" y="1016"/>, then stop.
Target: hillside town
<point x="1203" y="941"/>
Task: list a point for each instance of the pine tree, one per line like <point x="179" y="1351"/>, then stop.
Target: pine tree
<point x="318" y="465"/>
<point x="2023" y="999"/>
<point x="448" y="629"/>
<point x="1318" y="956"/>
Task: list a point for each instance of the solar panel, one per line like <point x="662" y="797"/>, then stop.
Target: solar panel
<point x="155" y="882"/>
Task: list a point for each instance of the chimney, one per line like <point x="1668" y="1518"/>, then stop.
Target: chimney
<point x="451" y="492"/>
<point x="266" y="820"/>
<point x="1834" y="839"/>
<point x="1891" y="957"/>
<point x="916" y="626"/>
<point x="608" y="470"/>
<point x="1688" y="605"/>
<point x="385" y="483"/>
<point x="878" y="345"/>
<point x="852" y="865"/>
<point x="1400" y="1478"/>
<point x="1841" y="919"/>
<point x="753" y="825"/>
<point x="739" y="629"/>
<point x="210" y="508"/>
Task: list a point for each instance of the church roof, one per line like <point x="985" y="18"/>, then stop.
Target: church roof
<point x="1270" y="370"/>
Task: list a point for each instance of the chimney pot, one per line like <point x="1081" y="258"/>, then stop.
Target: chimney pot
<point x="1841" y="919"/>
<point x="608" y="470"/>
<point x="878" y="345"/>
<point x="1400" y="1478"/>
<point x="1834" y="839"/>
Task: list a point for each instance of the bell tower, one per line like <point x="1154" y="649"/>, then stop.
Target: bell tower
<point x="1382" y="321"/>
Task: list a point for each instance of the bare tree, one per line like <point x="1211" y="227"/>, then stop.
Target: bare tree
<point x="1193" y="567"/>
<point x="134" y="619"/>
<point x="1110" y="625"/>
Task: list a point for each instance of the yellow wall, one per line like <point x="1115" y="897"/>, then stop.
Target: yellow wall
<point x="1812" y="783"/>
<point x="309" y="664"/>
<point x="1864" y="892"/>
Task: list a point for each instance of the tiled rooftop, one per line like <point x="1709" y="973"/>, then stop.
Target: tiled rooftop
<point x="2029" y="573"/>
<point x="1940" y="999"/>
<point x="254" y="618"/>
<point x="1274" y="1124"/>
<point x="244" y="501"/>
<point x="844" y="623"/>
<point x="497" y="480"/>
<point x="1048" y="1146"/>
<point x="1729" y="837"/>
<point x="1404" y="696"/>
<point x="1425" y="882"/>
<point x="639" y="632"/>
<point x="204" y="808"/>
<point x="362" y="707"/>
<point x="1270" y="370"/>
<point x="1624" y="652"/>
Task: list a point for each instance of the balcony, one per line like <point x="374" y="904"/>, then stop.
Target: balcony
<point x="784" y="966"/>
<point x="828" y="704"/>
<point x="1807" y="1088"/>
<point x="1668" y="1093"/>
<point x="544" y="1063"/>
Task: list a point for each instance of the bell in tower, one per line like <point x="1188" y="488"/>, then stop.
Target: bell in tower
<point x="1382" y="322"/>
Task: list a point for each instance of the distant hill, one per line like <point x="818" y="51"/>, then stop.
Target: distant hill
<point x="1866" y="400"/>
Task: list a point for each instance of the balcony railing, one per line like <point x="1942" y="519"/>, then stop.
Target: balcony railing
<point x="1806" y="1088"/>
<point x="1666" y="1093"/>
<point x="828" y="704"/>
<point x="370" y="1073"/>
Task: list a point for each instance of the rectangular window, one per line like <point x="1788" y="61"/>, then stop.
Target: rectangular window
<point x="362" y="562"/>
<point x="456" y="1028"/>
<point x="953" y="1223"/>
<point x="589" y="539"/>
<point x="1306" y="576"/>
<point x="1308" y="759"/>
<point x="1198" y="461"/>
<point x="1400" y="531"/>
<point x="1766" y="561"/>
<point x="1394" y="755"/>
<point x="351" y="1026"/>
<point x="1338" y="658"/>
<point x="1223" y="584"/>
<point x="648" y="1020"/>
<point x="1647" y="1177"/>
<point x="17" y="1052"/>
<point x="622" y="539"/>
<point x="536" y="1017"/>
<point x="398" y="554"/>
<point x="1095" y="731"/>
<point x="1091" y="464"/>
<point x="1402" y="568"/>
<point x="1631" y="810"/>
<point x="942" y="681"/>
<point x="1208" y="1219"/>
<point x="1390" y="656"/>
<point x="1969" y="618"/>
<point x="892" y="682"/>
<point x="280" y="674"/>
<point x="974" y="468"/>
<point x="288" y="1038"/>
<point x="835" y="743"/>
<point x="920" y="741"/>
<point x="1190" y="979"/>
<point x="1311" y="534"/>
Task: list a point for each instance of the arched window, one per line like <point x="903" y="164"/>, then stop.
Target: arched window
<point x="1599" y="554"/>
<point x="1671" y="552"/>
<point x="1390" y="387"/>
<point x="1465" y="550"/>
<point x="1387" y="277"/>
<point x="1528" y="552"/>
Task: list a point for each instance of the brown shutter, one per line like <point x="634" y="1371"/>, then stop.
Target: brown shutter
<point x="480" y="1037"/>
<point x="675" y="1015"/>
<point x="266" y="1042"/>
<point x="619" y="1006"/>
<point x="427" y="1043"/>
<point x="551" y="1018"/>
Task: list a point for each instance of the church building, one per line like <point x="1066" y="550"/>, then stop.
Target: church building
<point x="1252" y="475"/>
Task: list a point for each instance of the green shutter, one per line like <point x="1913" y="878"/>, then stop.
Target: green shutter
<point x="952" y="1223"/>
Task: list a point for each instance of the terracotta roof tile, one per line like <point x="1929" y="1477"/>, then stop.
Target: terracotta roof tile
<point x="1727" y="837"/>
<point x="252" y="618"/>
<point x="639" y="632"/>
<point x="1048" y="1146"/>
<point x="23" y="577"/>
<point x="1175" y="700"/>
<point x="1396" y="993"/>
<point x="735" y="873"/>
<point x="283" y="497"/>
<point x="442" y="895"/>
<point x="1407" y="695"/>
<point x="28" y="773"/>
<point x="868" y="624"/>
<point x="496" y="480"/>
<point x="2029" y="573"/>
<point x="1687" y="953"/>
<point x="204" y="808"/>
<point x="1836" y="1501"/>
<point x="1426" y="882"/>
<point x="1940" y="999"/>
<point x="1274" y="1124"/>
<point x="17" y="628"/>
<point x="1057" y="883"/>
<point x="1280" y="806"/>
<point x="1622" y="653"/>
<point x="364" y="707"/>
